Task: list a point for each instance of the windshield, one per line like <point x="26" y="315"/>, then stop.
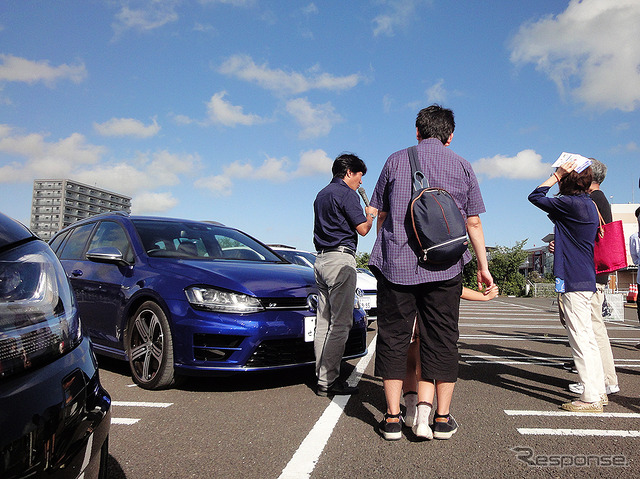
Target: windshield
<point x="186" y="240"/>
<point x="298" y="257"/>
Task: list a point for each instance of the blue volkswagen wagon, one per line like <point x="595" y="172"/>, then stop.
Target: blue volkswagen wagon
<point x="182" y="298"/>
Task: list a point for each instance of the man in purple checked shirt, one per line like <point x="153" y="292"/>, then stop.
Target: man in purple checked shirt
<point x="411" y="291"/>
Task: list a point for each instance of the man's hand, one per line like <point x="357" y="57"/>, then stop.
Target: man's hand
<point x="484" y="279"/>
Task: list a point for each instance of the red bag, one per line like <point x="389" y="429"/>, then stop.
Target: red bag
<point x="610" y="249"/>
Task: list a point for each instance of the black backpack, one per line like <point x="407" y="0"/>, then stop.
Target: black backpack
<point x="438" y="226"/>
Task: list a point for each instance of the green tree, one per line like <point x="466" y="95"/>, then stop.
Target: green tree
<point x="362" y="260"/>
<point x="504" y="265"/>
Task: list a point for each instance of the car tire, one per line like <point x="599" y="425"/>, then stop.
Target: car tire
<point x="150" y="347"/>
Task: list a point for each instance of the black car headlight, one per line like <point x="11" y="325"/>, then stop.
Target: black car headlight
<point x="38" y="315"/>
<point x="221" y="301"/>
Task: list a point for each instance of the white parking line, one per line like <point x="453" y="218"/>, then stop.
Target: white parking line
<point x="577" y="432"/>
<point x="626" y="415"/>
<point x="129" y="421"/>
<point x="123" y="420"/>
<point x="141" y="404"/>
<point x="306" y="457"/>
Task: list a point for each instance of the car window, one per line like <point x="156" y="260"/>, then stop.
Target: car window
<point x="57" y="241"/>
<point x="111" y="234"/>
<point x="176" y="239"/>
<point x="74" y="246"/>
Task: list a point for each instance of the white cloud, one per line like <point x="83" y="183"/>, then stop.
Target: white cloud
<point x="277" y="170"/>
<point x="149" y="16"/>
<point x="437" y="93"/>
<point x="224" y="113"/>
<point x="316" y="120"/>
<point x="525" y="165"/>
<point x="314" y="162"/>
<point x="130" y="177"/>
<point x="150" y="203"/>
<point x="399" y="14"/>
<point x="243" y="67"/>
<point x="218" y="185"/>
<point x="16" y="69"/>
<point x="310" y="9"/>
<point x="127" y="127"/>
<point x="43" y="159"/>
<point x="591" y="51"/>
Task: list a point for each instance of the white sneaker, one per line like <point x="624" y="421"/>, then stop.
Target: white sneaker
<point x="411" y="403"/>
<point x="577" y="388"/>
<point x="421" y="427"/>
<point x="614" y="388"/>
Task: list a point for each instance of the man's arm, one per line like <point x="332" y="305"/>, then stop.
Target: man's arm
<point x="364" y="228"/>
<point x="476" y="236"/>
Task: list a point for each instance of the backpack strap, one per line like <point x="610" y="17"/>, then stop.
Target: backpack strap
<point x="417" y="176"/>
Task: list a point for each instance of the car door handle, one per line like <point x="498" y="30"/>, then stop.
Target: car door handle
<point x="76" y="272"/>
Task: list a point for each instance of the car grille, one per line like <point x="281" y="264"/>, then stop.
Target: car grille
<point x="283" y="352"/>
<point x="215" y="347"/>
<point x="285" y="303"/>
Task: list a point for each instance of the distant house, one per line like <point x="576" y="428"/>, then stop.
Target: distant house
<point x="58" y="203"/>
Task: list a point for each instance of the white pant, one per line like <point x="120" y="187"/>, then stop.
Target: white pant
<point x="576" y="307"/>
<point x="602" y="338"/>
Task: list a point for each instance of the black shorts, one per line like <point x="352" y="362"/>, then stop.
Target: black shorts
<point x="437" y="306"/>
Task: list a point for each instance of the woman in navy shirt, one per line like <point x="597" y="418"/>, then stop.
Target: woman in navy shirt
<point x="575" y="218"/>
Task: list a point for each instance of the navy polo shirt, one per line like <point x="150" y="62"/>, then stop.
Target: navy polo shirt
<point x="337" y="212"/>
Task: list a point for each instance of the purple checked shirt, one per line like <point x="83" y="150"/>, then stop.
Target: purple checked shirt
<point x="392" y="254"/>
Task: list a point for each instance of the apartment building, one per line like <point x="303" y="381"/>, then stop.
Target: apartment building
<point x="59" y="203"/>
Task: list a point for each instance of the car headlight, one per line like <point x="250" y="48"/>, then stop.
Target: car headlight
<point x="212" y="299"/>
<point x="38" y="315"/>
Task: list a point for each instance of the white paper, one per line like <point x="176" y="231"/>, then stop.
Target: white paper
<point x="582" y="162"/>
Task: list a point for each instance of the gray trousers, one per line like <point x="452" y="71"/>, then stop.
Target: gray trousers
<point x="336" y="279"/>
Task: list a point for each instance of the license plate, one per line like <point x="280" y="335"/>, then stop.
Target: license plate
<point x="365" y="302"/>
<point x="309" y="328"/>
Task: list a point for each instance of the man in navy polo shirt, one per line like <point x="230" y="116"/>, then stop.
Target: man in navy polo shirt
<point x="338" y="221"/>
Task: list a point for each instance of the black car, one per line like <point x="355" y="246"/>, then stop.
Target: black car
<point x="54" y="414"/>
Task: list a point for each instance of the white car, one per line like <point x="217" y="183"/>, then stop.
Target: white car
<point x="366" y="287"/>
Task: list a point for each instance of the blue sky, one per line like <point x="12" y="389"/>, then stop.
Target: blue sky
<point x="233" y="110"/>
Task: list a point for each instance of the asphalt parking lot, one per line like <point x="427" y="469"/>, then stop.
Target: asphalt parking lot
<point x="507" y="404"/>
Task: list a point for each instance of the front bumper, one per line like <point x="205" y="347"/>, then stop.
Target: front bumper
<point x="209" y="343"/>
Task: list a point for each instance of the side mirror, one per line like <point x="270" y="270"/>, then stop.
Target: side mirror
<point x="107" y="254"/>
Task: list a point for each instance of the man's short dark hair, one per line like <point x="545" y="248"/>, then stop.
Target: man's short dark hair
<point x="435" y="122"/>
<point x="599" y="171"/>
<point x="637" y="212"/>
<point x="347" y="161"/>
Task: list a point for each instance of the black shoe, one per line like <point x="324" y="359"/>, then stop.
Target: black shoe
<point x="391" y="427"/>
<point x="338" y="388"/>
<point x="444" y="429"/>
